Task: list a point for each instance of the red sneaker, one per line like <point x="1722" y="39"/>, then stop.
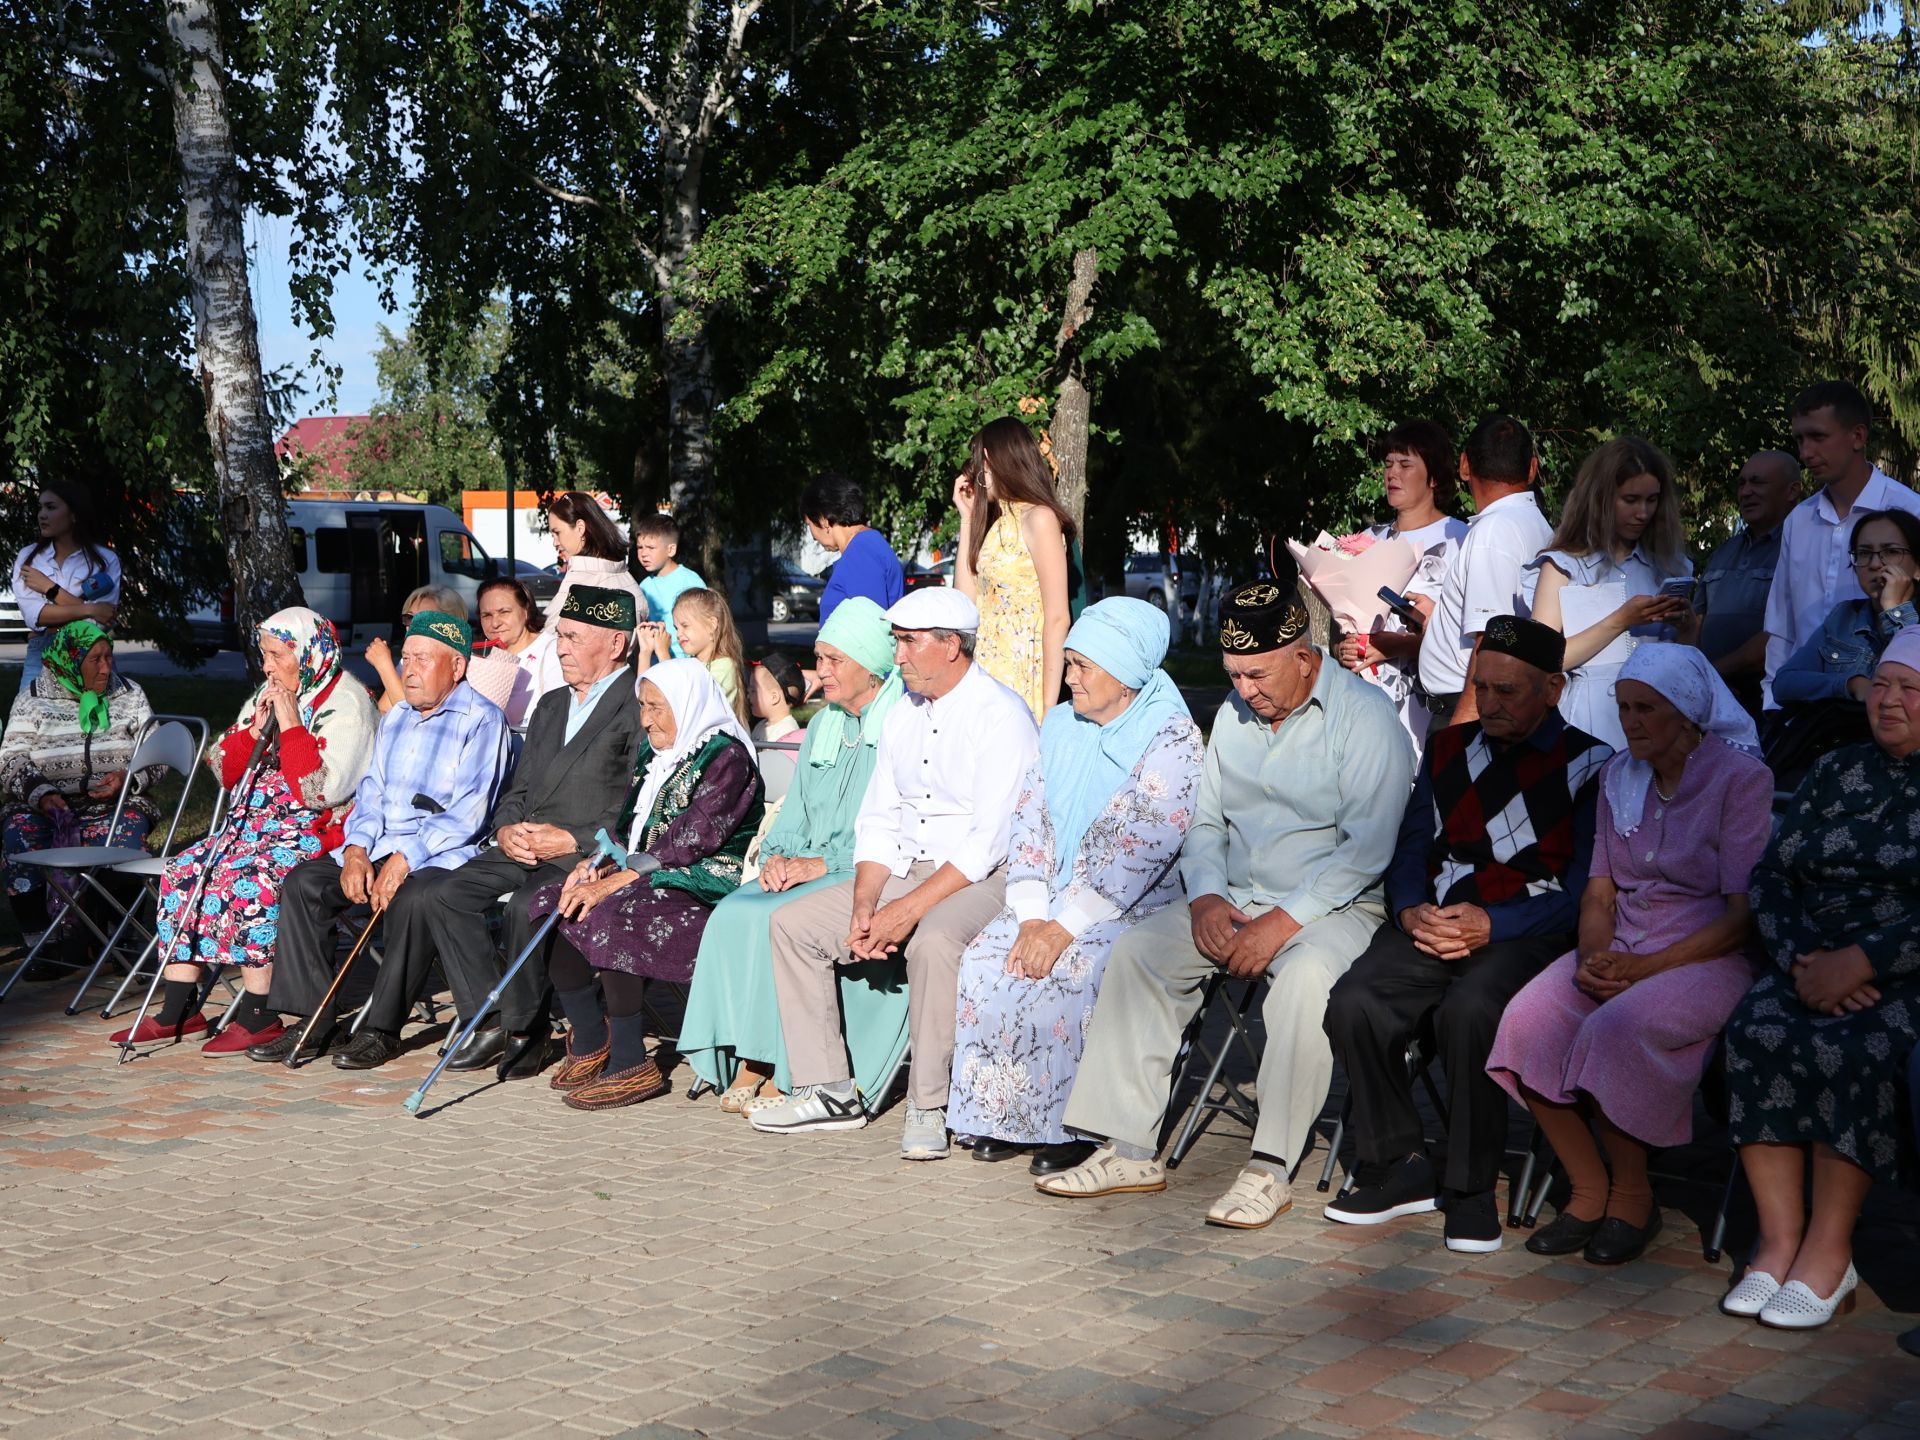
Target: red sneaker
<point x="150" y="1030"/>
<point x="235" y="1039"/>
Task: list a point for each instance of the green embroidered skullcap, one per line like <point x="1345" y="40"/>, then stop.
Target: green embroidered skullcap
<point x="597" y="605"/>
<point x="450" y="630"/>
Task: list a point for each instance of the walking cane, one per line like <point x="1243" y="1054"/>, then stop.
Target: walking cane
<point x="326" y="1001"/>
<point x="641" y="863"/>
<point x="260" y="744"/>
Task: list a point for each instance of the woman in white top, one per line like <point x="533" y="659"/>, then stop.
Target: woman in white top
<point x="512" y="623"/>
<point x="594" y="553"/>
<point x="67" y="574"/>
<point x="1599" y="580"/>
<point x="1423" y="487"/>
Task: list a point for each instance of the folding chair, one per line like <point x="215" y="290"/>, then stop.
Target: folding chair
<point x="1233" y="1101"/>
<point x="173" y="742"/>
<point x="778" y="762"/>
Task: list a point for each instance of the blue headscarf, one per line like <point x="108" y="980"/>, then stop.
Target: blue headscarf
<point x="1083" y="764"/>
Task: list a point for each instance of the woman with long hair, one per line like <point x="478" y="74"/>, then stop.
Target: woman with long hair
<point x="68" y="574"/>
<point x="1421" y="472"/>
<point x="1011" y="561"/>
<point x="1600" y="581"/>
<point x="593" y="552"/>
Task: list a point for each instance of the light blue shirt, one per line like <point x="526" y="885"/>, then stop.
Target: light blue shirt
<point x="578" y="710"/>
<point x="662" y="590"/>
<point x="433" y="782"/>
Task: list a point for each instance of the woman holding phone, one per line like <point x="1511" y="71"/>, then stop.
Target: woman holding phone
<point x="1615" y="574"/>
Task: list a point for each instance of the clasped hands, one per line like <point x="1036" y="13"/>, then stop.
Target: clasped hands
<point x="1038" y="948"/>
<point x="1835" y="982"/>
<point x="1447" y="932"/>
<point x="784" y="872"/>
<point x="1603" y="974"/>
<point x="362" y="886"/>
<point x="590" y="882"/>
<point x="1238" y="943"/>
<point x="281" y="704"/>
<point x="530" y="844"/>
<point x="878" y="931"/>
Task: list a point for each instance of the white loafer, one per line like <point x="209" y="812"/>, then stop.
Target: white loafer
<point x="1750" y="1296"/>
<point x="1796" y="1307"/>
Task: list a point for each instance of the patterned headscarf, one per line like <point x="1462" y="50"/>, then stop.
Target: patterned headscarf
<point x="312" y="637"/>
<point x="64" y="652"/>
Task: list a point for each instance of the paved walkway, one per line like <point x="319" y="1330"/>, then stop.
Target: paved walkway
<point x="222" y="1248"/>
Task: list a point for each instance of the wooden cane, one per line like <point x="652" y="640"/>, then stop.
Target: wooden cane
<point x="326" y="1002"/>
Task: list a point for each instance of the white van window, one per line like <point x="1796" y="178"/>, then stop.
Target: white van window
<point x="331" y="552"/>
<point x="297" y="548"/>
<point x="460" y="554"/>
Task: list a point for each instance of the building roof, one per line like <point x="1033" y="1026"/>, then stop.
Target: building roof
<point x="326" y="443"/>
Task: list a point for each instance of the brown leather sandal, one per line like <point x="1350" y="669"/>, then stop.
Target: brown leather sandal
<point x="626" y="1087"/>
<point x="578" y="1070"/>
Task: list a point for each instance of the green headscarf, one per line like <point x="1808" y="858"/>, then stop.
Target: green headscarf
<point x="64" y="652"/>
<point x="859" y="629"/>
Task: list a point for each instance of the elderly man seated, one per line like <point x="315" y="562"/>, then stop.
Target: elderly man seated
<point x="439" y="760"/>
<point x="1484" y="892"/>
<point x="569" y="783"/>
<point x="930" y="854"/>
<point x="1305" y="775"/>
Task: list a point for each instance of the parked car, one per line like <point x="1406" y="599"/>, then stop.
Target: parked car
<point x="542" y="582"/>
<point x="796" y="594"/>
<point x="1161" y="582"/>
<point x="938" y="573"/>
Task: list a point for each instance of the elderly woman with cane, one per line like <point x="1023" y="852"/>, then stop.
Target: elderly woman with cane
<point x="1616" y="1034"/>
<point x="733" y="1014"/>
<point x="308" y="733"/>
<point x="691" y="818"/>
<point x="1096" y="839"/>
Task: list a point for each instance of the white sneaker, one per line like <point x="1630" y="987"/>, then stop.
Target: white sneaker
<point x="1253" y="1202"/>
<point x="811" y="1108"/>
<point x="925" y="1135"/>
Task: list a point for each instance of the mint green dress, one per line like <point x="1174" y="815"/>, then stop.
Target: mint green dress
<point x="732" y="1011"/>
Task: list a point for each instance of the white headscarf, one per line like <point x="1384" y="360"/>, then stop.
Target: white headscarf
<point x="700" y="711"/>
<point x="1686" y="679"/>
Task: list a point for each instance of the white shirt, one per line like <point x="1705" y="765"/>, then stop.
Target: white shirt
<point x="945" y="778"/>
<point x="1488" y="578"/>
<point x="71" y="576"/>
<point x="1814" y="574"/>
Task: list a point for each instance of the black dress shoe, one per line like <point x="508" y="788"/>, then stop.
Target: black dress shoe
<point x="1616" y="1242"/>
<point x="1565" y="1235"/>
<point x="481" y="1052"/>
<point x="993" y="1150"/>
<point x="368" y="1050"/>
<point x="527" y="1056"/>
<point x="1909" y="1342"/>
<point x="1052" y="1159"/>
<point x="276" y="1050"/>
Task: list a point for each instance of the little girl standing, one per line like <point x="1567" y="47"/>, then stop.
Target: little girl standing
<point x="707" y="633"/>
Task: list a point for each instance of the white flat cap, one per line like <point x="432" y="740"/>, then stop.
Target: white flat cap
<point x="934" y="607"/>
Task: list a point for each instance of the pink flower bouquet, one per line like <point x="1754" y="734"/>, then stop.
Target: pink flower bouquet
<point x="1347" y="573"/>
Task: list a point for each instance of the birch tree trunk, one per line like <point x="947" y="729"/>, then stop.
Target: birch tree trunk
<point x="226" y="332"/>
<point x="1073" y="408"/>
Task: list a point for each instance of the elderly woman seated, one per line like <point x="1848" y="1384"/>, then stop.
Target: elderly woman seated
<point x="309" y="733"/>
<point x="1096" y="840"/>
<point x="692" y="813"/>
<point x="733" y="1015"/>
<point x="1617" y="1034"/>
<point x="69" y="739"/>
<point x="1817" y="1049"/>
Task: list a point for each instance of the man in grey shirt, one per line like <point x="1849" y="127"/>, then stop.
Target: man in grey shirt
<point x="1307" y="772"/>
<point x="1732" y="598"/>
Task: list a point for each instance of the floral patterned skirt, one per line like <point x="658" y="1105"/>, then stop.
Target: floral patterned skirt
<point x="238" y="917"/>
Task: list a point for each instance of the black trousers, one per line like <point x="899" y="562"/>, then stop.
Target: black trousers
<point x="1374" y="1011"/>
<point x="454" y="905"/>
<point x="311" y="901"/>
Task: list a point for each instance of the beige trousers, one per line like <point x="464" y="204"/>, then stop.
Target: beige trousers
<point x="809" y="940"/>
<point x="1152" y="989"/>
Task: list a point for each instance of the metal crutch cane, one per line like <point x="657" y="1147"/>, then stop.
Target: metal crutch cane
<point x="267" y="733"/>
<point x="642" y="863"/>
<point x="311" y="1024"/>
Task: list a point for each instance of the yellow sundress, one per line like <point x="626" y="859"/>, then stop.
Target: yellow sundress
<point x="1010" y="645"/>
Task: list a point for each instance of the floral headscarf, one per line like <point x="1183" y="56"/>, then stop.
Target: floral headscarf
<point x="311" y="637"/>
<point x="64" y="652"/>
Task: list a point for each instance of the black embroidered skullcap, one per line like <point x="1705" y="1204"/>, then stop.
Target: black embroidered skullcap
<point x="594" y="605"/>
<point x="1264" y="615"/>
<point x="1528" y="641"/>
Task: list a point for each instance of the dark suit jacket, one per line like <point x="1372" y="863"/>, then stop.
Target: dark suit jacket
<point x="580" y="784"/>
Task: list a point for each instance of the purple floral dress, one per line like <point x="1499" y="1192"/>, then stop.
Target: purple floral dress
<point x="1018" y="1042"/>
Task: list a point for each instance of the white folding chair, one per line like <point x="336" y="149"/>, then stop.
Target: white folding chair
<point x="778" y="762"/>
<point x="172" y="742"/>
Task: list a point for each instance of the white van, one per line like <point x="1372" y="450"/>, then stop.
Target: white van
<point x="357" y="560"/>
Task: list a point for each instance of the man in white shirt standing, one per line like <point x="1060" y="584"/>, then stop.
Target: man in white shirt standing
<point x="930" y="853"/>
<point x="1831" y="426"/>
<point x="1506" y="532"/>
